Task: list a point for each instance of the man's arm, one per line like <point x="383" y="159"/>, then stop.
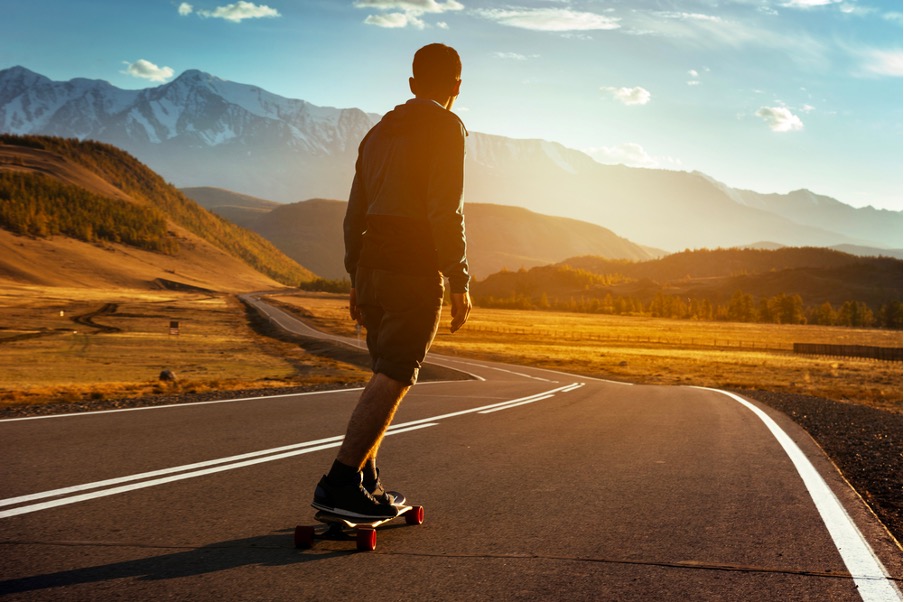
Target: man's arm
<point x="444" y="204"/>
<point x="354" y="224"/>
<point x="353" y="230"/>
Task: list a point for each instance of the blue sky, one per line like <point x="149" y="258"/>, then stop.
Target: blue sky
<point x="767" y="95"/>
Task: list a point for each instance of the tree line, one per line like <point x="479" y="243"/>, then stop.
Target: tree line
<point x="742" y="307"/>
<point x="40" y="206"/>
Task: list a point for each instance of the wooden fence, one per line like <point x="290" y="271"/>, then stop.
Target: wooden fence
<point x="890" y="354"/>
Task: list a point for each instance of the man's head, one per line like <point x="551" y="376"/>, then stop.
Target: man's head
<point x="437" y="74"/>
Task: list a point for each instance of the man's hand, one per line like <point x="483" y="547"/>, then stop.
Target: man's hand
<point x="461" y="308"/>
<point x="353" y="310"/>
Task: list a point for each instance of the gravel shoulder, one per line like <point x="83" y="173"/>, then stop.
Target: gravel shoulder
<point x="864" y="443"/>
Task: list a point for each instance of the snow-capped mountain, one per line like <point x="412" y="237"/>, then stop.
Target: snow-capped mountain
<point x="200" y="130"/>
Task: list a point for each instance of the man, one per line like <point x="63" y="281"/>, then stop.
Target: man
<point x="404" y="231"/>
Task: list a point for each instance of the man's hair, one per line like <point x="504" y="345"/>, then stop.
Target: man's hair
<point x="436" y="65"/>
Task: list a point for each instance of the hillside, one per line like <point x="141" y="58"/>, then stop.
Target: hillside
<point x="499" y="237"/>
<point x="709" y="284"/>
<point x="87" y="214"/>
<point x="240" y="209"/>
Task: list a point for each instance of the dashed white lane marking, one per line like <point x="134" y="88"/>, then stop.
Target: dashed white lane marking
<point x="870" y="576"/>
<point x="177" y="473"/>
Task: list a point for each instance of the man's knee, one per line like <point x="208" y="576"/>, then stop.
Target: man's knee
<point x="395" y="375"/>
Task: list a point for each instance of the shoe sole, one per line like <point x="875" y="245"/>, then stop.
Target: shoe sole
<point x="352" y="515"/>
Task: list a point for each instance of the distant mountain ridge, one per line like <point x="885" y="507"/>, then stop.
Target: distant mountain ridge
<point x="499" y="237"/>
<point x="199" y="130"/>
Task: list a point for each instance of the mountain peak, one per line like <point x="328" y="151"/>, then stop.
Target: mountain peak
<point x="20" y="75"/>
<point x="194" y="77"/>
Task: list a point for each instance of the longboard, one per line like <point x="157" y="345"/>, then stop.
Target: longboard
<point x="336" y="526"/>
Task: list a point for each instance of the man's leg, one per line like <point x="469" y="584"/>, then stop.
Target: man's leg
<point x="345" y="489"/>
<point x="370" y="419"/>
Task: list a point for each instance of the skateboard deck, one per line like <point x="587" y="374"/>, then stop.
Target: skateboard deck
<point x="364" y="532"/>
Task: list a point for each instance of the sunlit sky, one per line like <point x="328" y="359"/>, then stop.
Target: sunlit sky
<point x="767" y="95"/>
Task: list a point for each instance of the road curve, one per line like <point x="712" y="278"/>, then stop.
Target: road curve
<point x="537" y="485"/>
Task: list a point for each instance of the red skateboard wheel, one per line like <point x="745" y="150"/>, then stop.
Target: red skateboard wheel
<point x="304" y="536"/>
<point x="415" y="516"/>
<point x="367" y="540"/>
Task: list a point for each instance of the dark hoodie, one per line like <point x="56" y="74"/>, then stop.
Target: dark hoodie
<point x="405" y="207"/>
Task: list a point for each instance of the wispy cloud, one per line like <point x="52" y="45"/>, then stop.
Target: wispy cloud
<point x="237" y="12"/>
<point x="407" y="13"/>
<point x="549" y="19"/>
<point x="629" y="96"/>
<point x="143" y="69"/>
<point x="883" y="62"/>
<point x="780" y="119"/>
<point x="631" y="154"/>
<point x="694" y="76"/>
<point x="514" y="56"/>
<point x="716" y="32"/>
<point x="809" y="3"/>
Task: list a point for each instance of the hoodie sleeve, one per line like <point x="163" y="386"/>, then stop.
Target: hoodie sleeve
<point x="445" y="189"/>
<point x="355" y="218"/>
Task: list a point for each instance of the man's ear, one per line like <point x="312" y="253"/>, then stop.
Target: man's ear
<point x="456" y="88"/>
<point x="412" y="85"/>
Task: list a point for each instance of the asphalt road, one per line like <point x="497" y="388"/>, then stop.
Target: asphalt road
<point x="537" y="485"/>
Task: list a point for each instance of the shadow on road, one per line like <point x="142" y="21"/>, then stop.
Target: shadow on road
<point x="275" y="549"/>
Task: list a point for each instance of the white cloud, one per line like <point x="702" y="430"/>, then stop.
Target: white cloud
<point x="514" y="56"/>
<point x="419" y="6"/>
<point x="884" y="62"/>
<point x="394" y="20"/>
<point x="780" y="119"/>
<point x="147" y="70"/>
<point x="549" y="19"/>
<point x="407" y="13"/>
<point x="186" y="9"/>
<point x="808" y="3"/>
<point x="237" y="12"/>
<point x="629" y="96"/>
<point x="631" y="154"/>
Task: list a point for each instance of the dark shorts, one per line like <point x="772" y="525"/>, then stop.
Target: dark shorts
<point x="401" y="314"/>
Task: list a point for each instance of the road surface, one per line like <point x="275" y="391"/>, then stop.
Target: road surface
<point x="537" y="485"/>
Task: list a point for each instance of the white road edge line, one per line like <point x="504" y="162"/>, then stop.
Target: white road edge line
<point x="239" y="461"/>
<point x="872" y="580"/>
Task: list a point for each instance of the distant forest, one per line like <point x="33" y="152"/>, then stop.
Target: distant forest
<point x="566" y="288"/>
<point x="37" y="205"/>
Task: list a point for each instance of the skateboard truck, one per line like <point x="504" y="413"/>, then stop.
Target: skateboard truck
<point x="364" y="533"/>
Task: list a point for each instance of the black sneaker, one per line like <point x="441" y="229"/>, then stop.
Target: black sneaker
<point x="353" y="501"/>
<point x="376" y="489"/>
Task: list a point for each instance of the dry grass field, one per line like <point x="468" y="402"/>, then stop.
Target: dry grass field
<point x="657" y="351"/>
<point x="51" y="352"/>
<point x="108" y="344"/>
